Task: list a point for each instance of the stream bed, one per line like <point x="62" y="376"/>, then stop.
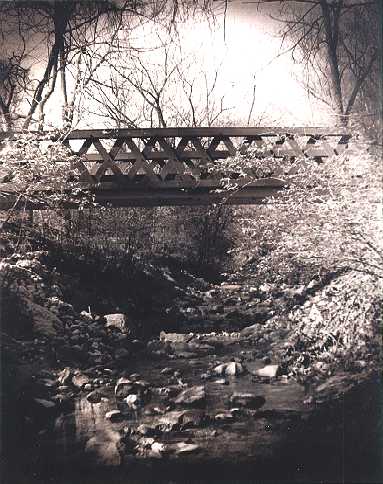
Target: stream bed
<point x="191" y="421"/>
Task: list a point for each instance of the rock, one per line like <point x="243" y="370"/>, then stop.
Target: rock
<point x="231" y="287"/>
<point x="183" y="448"/>
<point x="221" y="381"/>
<point x="220" y="369"/>
<point x="119" y="321"/>
<point x="65" y="376"/>
<point x="86" y="316"/>
<point x="123" y="387"/>
<point x="266" y="288"/>
<point x="166" y="371"/>
<point x="133" y="401"/>
<point x="171" y="420"/>
<point x="158" y="449"/>
<point x="224" y="416"/>
<point x="176" y="337"/>
<point x="250" y="330"/>
<point x="269" y="371"/>
<point x="79" y="380"/>
<point x="234" y="368"/>
<point x="146" y="442"/>
<point x="191" y="396"/>
<point x="231" y="369"/>
<point x="94" y="397"/>
<point x="88" y="387"/>
<point x="114" y="416"/>
<point x="248" y="400"/>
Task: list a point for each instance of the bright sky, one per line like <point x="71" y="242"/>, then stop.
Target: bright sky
<point x="246" y="52"/>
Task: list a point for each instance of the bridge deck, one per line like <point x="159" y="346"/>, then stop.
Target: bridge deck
<point x="172" y="166"/>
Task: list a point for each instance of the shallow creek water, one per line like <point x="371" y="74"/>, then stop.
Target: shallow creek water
<point x="284" y="440"/>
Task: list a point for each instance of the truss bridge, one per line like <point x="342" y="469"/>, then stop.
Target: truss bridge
<point x="186" y="166"/>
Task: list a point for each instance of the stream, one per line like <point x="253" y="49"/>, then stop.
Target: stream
<point x="269" y="432"/>
<point x="205" y="406"/>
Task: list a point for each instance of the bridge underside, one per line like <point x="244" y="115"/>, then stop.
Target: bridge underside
<point x="182" y="166"/>
<point x="141" y="196"/>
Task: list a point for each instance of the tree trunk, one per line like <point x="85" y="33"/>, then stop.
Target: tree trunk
<point x="332" y="32"/>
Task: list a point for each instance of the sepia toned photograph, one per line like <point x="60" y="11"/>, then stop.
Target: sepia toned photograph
<point x="191" y="241"/>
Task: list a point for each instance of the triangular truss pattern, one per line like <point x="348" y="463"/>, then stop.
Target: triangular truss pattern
<point x="172" y="166"/>
<point x="165" y="166"/>
<point x="155" y="156"/>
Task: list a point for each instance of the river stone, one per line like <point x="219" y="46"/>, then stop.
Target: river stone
<point x="119" y="321"/>
<point x="248" y="400"/>
<point x="191" y="396"/>
<point x="114" y="415"/>
<point x="176" y="337"/>
<point x="167" y="371"/>
<point x="183" y="448"/>
<point x="231" y="287"/>
<point x="94" y="397"/>
<point x="234" y="368"/>
<point x="123" y="387"/>
<point x="158" y="449"/>
<point x="220" y="369"/>
<point x="79" y="380"/>
<point x="224" y="416"/>
<point x="64" y="376"/>
<point x="221" y="381"/>
<point x="269" y="371"/>
<point x="170" y="420"/>
<point x="133" y="401"/>
<point x="250" y="330"/>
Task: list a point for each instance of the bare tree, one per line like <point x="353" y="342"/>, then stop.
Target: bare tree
<point x="159" y="85"/>
<point x="337" y="41"/>
<point x="50" y="39"/>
